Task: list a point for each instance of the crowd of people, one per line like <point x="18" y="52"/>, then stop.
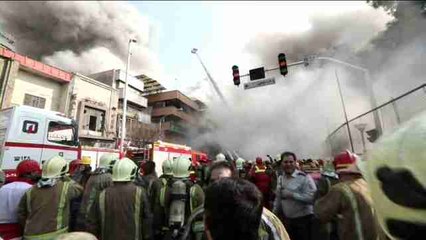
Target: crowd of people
<point x="380" y="197"/>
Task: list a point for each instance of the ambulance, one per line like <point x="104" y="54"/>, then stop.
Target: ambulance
<point x="37" y="134"/>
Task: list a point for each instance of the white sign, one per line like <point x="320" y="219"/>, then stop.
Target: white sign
<point x="259" y="83"/>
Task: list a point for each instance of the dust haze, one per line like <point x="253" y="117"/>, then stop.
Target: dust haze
<point x="299" y="112"/>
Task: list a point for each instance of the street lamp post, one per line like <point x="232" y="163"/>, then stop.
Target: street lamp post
<point x="123" y="120"/>
<point x="344" y="111"/>
<point x="369" y="84"/>
<point x="216" y="88"/>
<point x="361" y="127"/>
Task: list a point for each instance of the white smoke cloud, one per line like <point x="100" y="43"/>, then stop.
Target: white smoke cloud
<point x="301" y="110"/>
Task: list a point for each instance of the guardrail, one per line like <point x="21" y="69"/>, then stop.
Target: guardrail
<point x="392" y="113"/>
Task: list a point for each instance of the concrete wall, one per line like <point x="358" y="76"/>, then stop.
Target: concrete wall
<point x="29" y="83"/>
<point x="89" y="92"/>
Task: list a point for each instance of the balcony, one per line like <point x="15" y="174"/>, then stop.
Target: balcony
<point x="171" y="110"/>
<point x="134" y="98"/>
<point x="174" y="127"/>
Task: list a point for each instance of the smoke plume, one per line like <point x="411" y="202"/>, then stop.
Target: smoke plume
<point x="300" y="111"/>
<point x="81" y="36"/>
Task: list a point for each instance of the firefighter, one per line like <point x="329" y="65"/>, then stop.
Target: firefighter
<point x="328" y="179"/>
<point x="28" y="172"/>
<point x="179" y="189"/>
<point x="239" y="165"/>
<point x="395" y="170"/>
<point x="167" y="168"/>
<point x="260" y="178"/>
<point x="82" y="172"/>
<point x="121" y="211"/>
<point x="43" y="211"/>
<point x="349" y="201"/>
<point x="99" y="180"/>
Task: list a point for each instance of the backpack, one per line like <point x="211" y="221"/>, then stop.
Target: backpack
<point x="176" y="197"/>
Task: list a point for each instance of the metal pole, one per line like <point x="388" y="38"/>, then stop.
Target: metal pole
<point x="344" y="111"/>
<point x="276" y="68"/>
<point x="123" y="119"/>
<point x="369" y="85"/>
<point x="395" y="109"/>
<point x="216" y="88"/>
<point x="363" y="141"/>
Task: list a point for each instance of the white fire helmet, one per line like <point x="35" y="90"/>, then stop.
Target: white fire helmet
<point x="220" y="157"/>
<point x="395" y="170"/>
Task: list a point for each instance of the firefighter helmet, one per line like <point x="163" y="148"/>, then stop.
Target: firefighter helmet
<point x="220" y="157"/>
<point x="395" y="171"/>
<point x="240" y="163"/>
<point x="108" y="160"/>
<point x="28" y="167"/>
<point x="124" y="170"/>
<point x="345" y="162"/>
<point x="167" y="167"/>
<point x="181" y="167"/>
<point x="85" y="160"/>
<point x="55" y="167"/>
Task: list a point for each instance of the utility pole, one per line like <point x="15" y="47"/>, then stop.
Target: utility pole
<point x="123" y="119"/>
<point x="216" y="88"/>
<point x="344" y="111"/>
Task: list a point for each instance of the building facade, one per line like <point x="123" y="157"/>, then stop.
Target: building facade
<point x="176" y="115"/>
<point x="24" y="81"/>
<point x="139" y="129"/>
<point x="94" y="105"/>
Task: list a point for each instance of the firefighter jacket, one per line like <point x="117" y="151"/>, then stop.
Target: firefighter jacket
<point x="350" y="203"/>
<point x="270" y="227"/>
<point x="98" y="181"/>
<point x="43" y="212"/>
<point x="121" y="211"/>
<point x="261" y="178"/>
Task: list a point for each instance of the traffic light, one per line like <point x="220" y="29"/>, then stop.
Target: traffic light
<point x="282" y="62"/>
<point x="373" y="134"/>
<point x="236" y="74"/>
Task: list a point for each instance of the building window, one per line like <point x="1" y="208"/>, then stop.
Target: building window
<point x="94" y="119"/>
<point x="34" y="101"/>
<point x="61" y="133"/>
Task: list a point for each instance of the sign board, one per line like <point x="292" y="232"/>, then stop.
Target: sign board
<point x="259" y="83"/>
<point x="257" y="73"/>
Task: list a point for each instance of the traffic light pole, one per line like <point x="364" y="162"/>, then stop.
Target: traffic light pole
<point x="276" y="68"/>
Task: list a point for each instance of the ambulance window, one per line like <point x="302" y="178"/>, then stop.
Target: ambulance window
<point x="61" y="133"/>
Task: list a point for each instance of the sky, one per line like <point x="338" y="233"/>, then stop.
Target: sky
<point x="297" y="113"/>
<point x="221" y="32"/>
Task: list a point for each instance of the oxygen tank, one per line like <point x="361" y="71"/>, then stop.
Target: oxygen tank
<point x="177" y="206"/>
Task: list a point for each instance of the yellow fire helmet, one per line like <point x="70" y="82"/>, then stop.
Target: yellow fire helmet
<point x="124" y="170"/>
<point x="396" y="173"/>
<point x="55" y="167"/>
<point x="86" y="160"/>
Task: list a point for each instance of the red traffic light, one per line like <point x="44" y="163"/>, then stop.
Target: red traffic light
<point x="282" y="62"/>
<point x="236" y="74"/>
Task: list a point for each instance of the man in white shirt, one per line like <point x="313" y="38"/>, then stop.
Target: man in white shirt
<point x="28" y="172"/>
<point x="294" y="198"/>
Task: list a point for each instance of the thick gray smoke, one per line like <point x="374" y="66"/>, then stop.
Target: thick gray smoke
<point x="79" y="36"/>
<point x="301" y="110"/>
